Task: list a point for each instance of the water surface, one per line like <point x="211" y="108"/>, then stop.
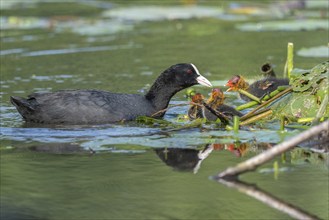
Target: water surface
<point x="134" y="170"/>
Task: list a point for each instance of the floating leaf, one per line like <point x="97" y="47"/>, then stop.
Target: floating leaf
<point x="320" y="51"/>
<point x="309" y="89"/>
<point x="294" y="25"/>
<point x="156" y="13"/>
<point x="304" y="80"/>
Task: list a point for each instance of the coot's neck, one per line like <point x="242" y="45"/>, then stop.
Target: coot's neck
<point x="160" y="94"/>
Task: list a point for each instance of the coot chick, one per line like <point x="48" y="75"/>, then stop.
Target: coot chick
<point x="196" y="109"/>
<point x="259" y="88"/>
<point x="99" y="107"/>
<point x="216" y="102"/>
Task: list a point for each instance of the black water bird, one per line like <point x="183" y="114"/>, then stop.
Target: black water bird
<point x="100" y="107"/>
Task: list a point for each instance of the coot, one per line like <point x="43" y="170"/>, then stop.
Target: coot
<point x="258" y="88"/>
<point x="216" y="102"/>
<point x="99" y="107"/>
<point x="196" y="109"/>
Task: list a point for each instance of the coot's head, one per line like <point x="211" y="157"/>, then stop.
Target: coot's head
<point x="267" y="70"/>
<point x="236" y="82"/>
<point x="185" y="75"/>
<point x="217" y="97"/>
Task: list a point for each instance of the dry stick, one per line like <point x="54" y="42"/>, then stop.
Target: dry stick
<point x="260" y="159"/>
<point x="249" y="114"/>
<point x="218" y="114"/>
<point x="268" y="199"/>
<point x="260" y="115"/>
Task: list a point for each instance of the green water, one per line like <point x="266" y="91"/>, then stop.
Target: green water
<point x="114" y="171"/>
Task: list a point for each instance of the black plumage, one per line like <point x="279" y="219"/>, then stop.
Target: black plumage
<point x="99" y="107"/>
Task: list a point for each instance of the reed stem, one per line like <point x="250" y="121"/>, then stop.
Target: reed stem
<point x="236" y="124"/>
<point x="267" y="97"/>
<point x="249" y="95"/>
<point x="250" y="114"/>
<point x="290" y="60"/>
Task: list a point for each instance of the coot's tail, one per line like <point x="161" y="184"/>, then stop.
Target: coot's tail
<point x="23" y="106"/>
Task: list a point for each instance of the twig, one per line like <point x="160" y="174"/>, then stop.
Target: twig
<point x="260" y="159"/>
<point x="249" y="114"/>
<point x="256" y="117"/>
<point x="268" y="199"/>
<point x="218" y="114"/>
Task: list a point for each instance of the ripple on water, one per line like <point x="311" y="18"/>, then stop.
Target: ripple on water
<point x="79" y="50"/>
<point x="96" y="137"/>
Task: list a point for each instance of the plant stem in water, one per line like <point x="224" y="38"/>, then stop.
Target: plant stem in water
<point x="236" y="123"/>
<point x="251" y="96"/>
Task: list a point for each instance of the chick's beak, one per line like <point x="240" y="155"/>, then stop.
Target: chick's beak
<point x="229" y="84"/>
<point x="203" y="81"/>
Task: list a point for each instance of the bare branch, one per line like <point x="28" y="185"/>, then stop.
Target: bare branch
<point x="262" y="158"/>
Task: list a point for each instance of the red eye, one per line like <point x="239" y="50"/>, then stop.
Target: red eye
<point x="189" y="71"/>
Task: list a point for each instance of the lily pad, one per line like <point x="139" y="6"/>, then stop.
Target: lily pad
<point x="82" y="26"/>
<point x="14" y="22"/>
<point x="320" y="51"/>
<point x="291" y="25"/>
<point x="309" y="91"/>
<point x="157" y="13"/>
<point x="100" y="27"/>
<point x="303" y="81"/>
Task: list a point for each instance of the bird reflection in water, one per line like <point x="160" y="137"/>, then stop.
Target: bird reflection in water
<point x="190" y="159"/>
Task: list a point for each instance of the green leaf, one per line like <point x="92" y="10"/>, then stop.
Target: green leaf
<point x="309" y="89"/>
